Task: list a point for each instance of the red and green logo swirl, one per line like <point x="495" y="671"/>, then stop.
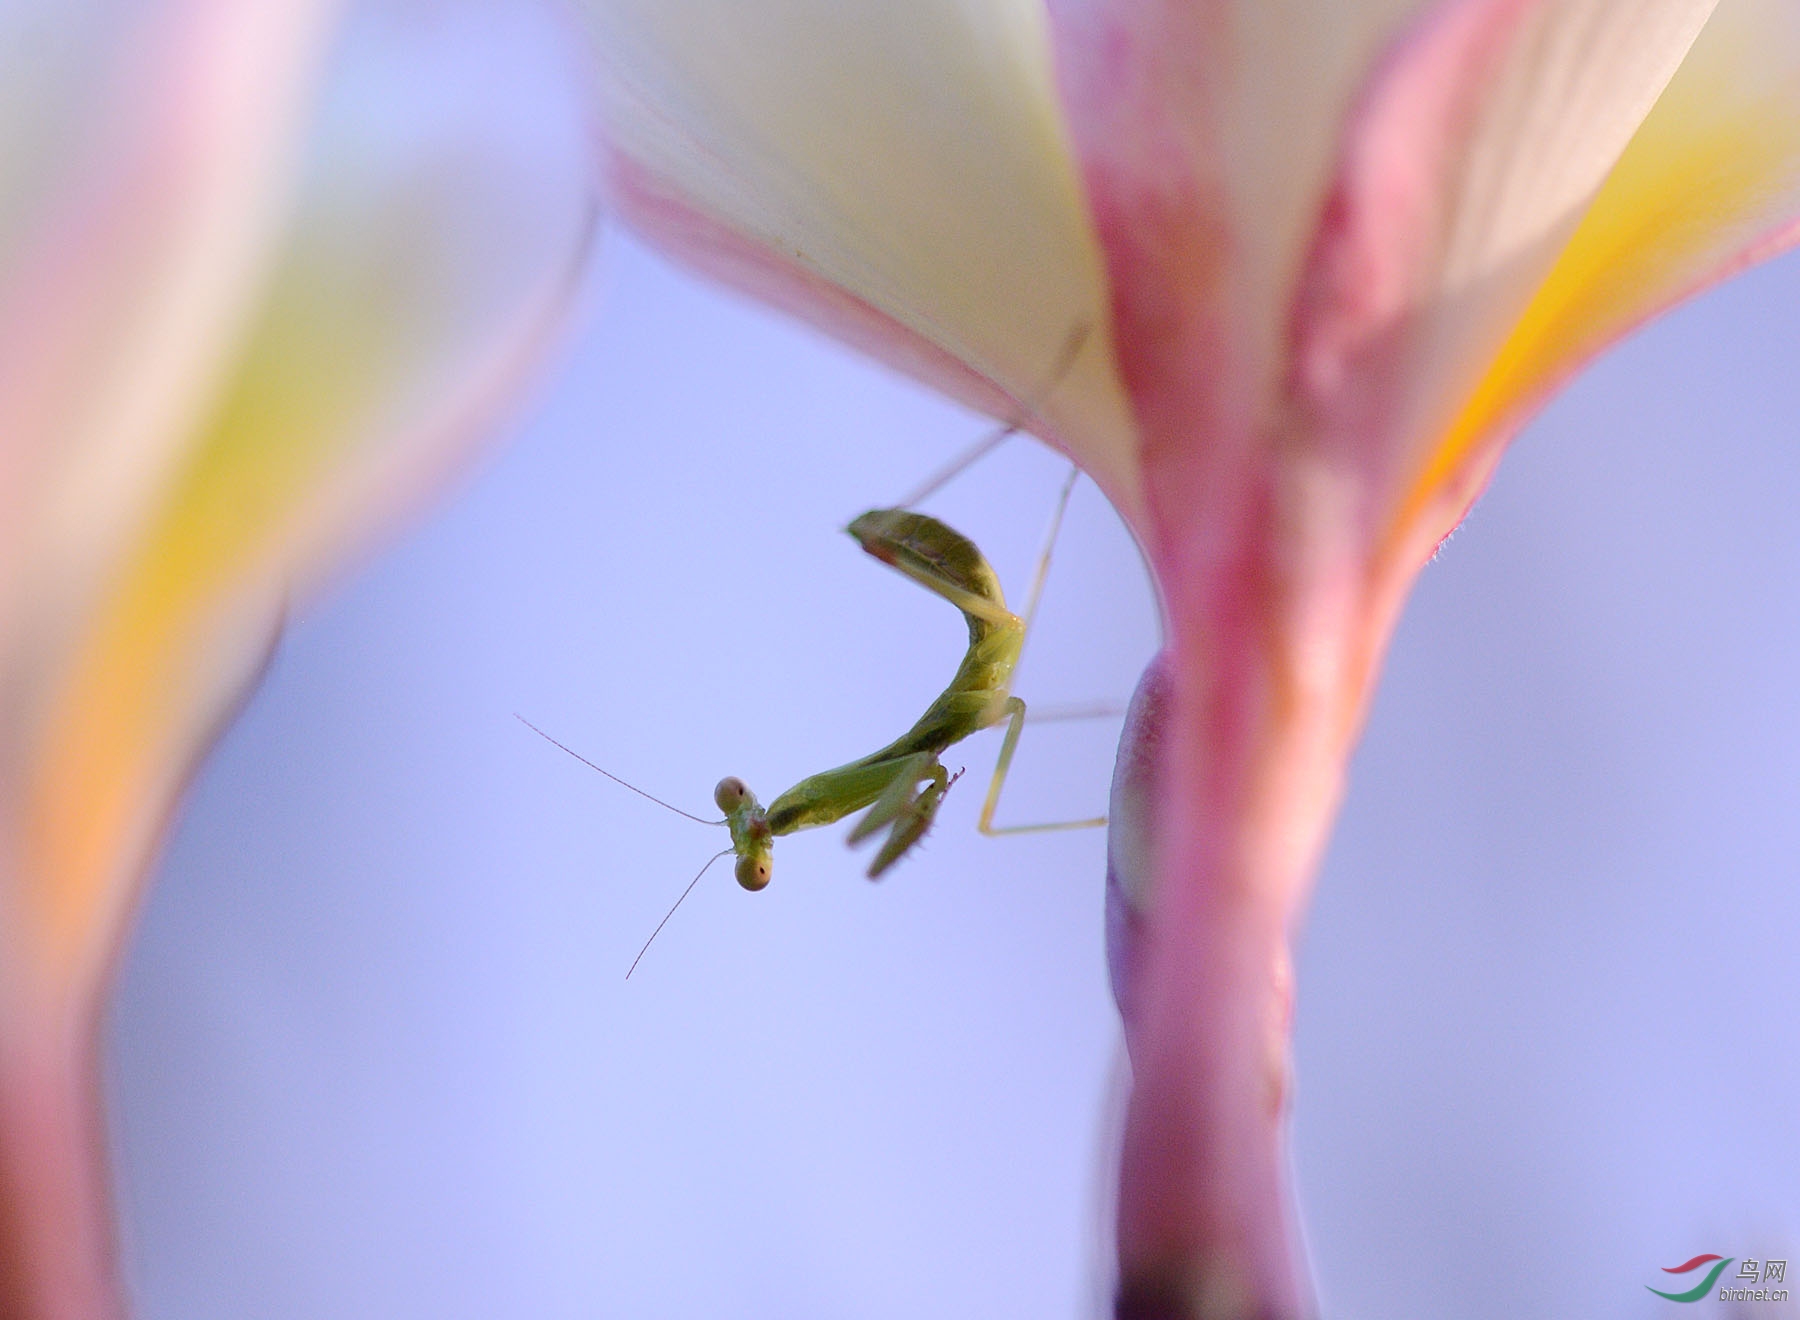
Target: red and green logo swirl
<point x="1700" y="1289"/>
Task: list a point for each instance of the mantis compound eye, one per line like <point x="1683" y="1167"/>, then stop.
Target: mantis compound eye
<point x="730" y="794"/>
<point x="753" y="872"/>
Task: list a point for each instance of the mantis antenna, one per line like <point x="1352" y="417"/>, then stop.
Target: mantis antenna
<point x="671" y="912"/>
<point x="610" y="775"/>
<point x="749" y="836"/>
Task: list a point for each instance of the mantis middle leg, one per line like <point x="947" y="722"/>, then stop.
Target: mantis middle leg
<point x="1015" y="722"/>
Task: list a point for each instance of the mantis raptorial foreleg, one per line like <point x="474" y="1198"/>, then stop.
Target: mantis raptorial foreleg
<point x="905" y="806"/>
<point x="903" y="798"/>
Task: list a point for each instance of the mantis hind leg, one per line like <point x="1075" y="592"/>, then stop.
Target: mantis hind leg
<point x="1015" y="708"/>
<point x="1015" y="723"/>
<point x="904" y="805"/>
<point x="1042" y="571"/>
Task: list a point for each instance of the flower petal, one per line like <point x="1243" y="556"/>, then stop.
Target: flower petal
<point x="210" y="381"/>
<point x="134" y="264"/>
<point x="1709" y="184"/>
<point x="1468" y="163"/>
<point x="431" y="247"/>
<point x="1206" y="133"/>
<point x="1284" y="425"/>
<point x="140" y="164"/>
<point x="897" y="174"/>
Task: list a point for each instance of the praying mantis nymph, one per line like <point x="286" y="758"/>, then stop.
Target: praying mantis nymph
<point x="903" y="783"/>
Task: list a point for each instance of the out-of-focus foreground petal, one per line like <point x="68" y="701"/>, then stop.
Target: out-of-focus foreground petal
<point x="266" y="277"/>
<point x="1337" y="252"/>
<point x="895" y="174"/>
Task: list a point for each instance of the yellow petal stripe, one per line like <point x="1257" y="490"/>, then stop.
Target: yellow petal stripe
<point x="418" y="278"/>
<point x="1713" y="172"/>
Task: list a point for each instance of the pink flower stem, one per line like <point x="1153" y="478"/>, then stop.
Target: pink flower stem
<point x="1252" y="714"/>
<point x="57" y="1247"/>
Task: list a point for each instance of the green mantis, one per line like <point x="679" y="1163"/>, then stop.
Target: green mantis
<point x="903" y="783"/>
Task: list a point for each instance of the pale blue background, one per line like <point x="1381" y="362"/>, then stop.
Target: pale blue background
<point x="372" y="1052"/>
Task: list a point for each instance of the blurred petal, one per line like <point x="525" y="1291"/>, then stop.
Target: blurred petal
<point x="433" y="240"/>
<point x="143" y="155"/>
<point x="136" y="259"/>
<point x="250" y="324"/>
<point x="897" y="174"/>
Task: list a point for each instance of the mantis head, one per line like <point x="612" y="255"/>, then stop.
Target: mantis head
<point x="750" y="837"/>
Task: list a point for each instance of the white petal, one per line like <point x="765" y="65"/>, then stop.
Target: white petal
<point x="1576" y="82"/>
<point x="1469" y="161"/>
<point x="912" y="155"/>
<point x="1709" y="184"/>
